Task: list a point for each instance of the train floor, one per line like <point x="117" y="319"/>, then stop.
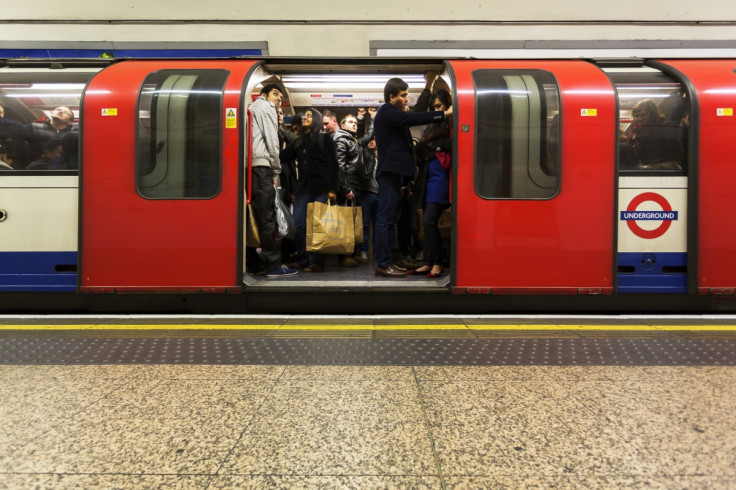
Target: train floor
<point x="215" y="402"/>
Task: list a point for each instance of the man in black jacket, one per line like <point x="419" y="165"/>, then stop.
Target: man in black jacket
<point x="396" y="164"/>
<point x="58" y="129"/>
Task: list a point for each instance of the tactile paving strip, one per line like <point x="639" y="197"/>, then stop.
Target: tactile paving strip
<point x="321" y="351"/>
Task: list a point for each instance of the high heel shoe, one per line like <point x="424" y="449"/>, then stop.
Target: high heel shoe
<point x="435" y="276"/>
<point x="419" y="273"/>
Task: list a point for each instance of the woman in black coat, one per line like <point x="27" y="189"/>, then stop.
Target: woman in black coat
<point x="316" y="155"/>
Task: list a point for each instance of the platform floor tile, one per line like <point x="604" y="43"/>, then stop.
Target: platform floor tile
<point x="393" y="426"/>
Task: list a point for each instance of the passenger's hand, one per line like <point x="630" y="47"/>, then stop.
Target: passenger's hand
<point x="349" y="196"/>
<point x="361" y="111"/>
<point x="372" y="111"/>
<point x="448" y="112"/>
<point x="276" y="182"/>
<point x="332" y="196"/>
<point x="430" y="77"/>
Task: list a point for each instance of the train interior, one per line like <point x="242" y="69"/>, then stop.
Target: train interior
<point x="345" y="90"/>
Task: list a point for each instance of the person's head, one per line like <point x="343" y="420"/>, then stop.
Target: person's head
<point x="52" y="150"/>
<point x="296" y="122"/>
<point x="7" y="155"/>
<point x="441" y="100"/>
<point x="396" y="92"/>
<point x="349" y="123"/>
<point x="62" y="115"/>
<point x="311" y="129"/>
<point x="280" y="115"/>
<point x="273" y="93"/>
<point x="329" y="122"/>
<point x="372" y="143"/>
<point x="645" y="112"/>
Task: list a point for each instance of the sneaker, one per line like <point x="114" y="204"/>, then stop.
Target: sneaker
<point x="282" y="271"/>
<point x="348" y="262"/>
<point x="362" y="258"/>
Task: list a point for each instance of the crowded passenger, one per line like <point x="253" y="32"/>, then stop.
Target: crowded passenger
<point x="396" y="165"/>
<point x="52" y="153"/>
<point x="7" y="158"/>
<point x="436" y="144"/>
<point x="59" y="128"/>
<point x="655" y="141"/>
<point x="265" y="175"/>
<point x="316" y="154"/>
<point x="369" y="186"/>
<point x="329" y="122"/>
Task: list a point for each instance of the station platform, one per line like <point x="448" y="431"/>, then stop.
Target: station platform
<point x="434" y="402"/>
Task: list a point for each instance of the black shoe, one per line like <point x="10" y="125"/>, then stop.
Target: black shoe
<point x="390" y="271"/>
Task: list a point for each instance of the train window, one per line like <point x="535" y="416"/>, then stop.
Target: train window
<point x="39" y="120"/>
<point x="654" y="117"/>
<point x="518" y="132"/>
<point x="179" y="134"/>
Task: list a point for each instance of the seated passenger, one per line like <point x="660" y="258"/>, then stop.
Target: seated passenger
<point x="52" y="153"/>
<point x="7" y="158"/>
<point x="60" y="129"/>
<point x="656" y="142"/>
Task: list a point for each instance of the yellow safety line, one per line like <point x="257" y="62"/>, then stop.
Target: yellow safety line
<point x="339" y="327"/>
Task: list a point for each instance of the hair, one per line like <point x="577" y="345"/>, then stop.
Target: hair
<point x="443" y="96"/>
<point x="393" y="87"/>
<point x="440" y="129"/>
<point x="329" y="113"/>
<point x="342" y="121"/>
<point x="51" y="145"/>
<point x="649" y="106"/>
<point x="315" y="130"/>
<point x="267" y="88"/>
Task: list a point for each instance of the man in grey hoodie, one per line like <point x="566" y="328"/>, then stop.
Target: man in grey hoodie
<point x="265" y="172"/>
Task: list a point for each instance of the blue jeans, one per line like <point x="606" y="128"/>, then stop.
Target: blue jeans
<point x="369" y="205"/>
<point x="389" y="196"/>
<point x="311" y="191"/>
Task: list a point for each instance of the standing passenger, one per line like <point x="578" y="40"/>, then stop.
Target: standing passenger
<point x="265" y="172"/>
<point x="396" y="166"/>
<point x="437" y="142"/>
<point x="318" y="180"/>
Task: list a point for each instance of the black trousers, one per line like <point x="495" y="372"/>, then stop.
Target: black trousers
<point x="263" y="195"/>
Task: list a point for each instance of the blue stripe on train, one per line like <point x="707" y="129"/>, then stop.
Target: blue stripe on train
<point x="38" y="271"/>
<point x="660" y="272"/>
<point x="128" y="53"/>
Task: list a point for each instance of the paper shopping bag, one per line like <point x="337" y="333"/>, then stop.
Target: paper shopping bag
<point x="251" y="235"/>
<point x="330" y="229"/>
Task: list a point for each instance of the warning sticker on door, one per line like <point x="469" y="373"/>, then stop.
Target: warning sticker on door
<point x="231" y="117"/>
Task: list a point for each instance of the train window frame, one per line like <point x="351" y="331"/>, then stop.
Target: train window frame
<point x="152" y="171"/>
<point x="44" y="86"/>
<point x="548" y="128"/>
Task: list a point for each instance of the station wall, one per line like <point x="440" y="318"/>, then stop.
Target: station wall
<point x="381" y="27"/>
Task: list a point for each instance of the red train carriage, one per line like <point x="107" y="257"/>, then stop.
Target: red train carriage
<point x="558" y="187"/>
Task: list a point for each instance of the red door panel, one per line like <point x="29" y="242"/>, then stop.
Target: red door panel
<point x="559" y="245"/>
<point x="130" y="242"/>
<point x="714" y="82"/>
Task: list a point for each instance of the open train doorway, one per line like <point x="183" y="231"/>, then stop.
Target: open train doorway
<point x="342" y="100"/>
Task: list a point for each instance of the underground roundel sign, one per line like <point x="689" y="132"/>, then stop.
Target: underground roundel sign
<point x="633" y="214"/>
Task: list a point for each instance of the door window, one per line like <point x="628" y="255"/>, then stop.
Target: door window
<point x="517" y="153"/>
<point x="179" y="143"/>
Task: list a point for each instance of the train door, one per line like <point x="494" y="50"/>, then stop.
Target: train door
<point x="711" y="129"/>
<point x="534" y="178"/>
<point x="161" y="180"/>
<point x="652" y="216"/>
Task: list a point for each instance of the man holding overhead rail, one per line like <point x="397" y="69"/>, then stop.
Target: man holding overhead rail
<point x="396" y="166"/>
<point x="265" y="172"/>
